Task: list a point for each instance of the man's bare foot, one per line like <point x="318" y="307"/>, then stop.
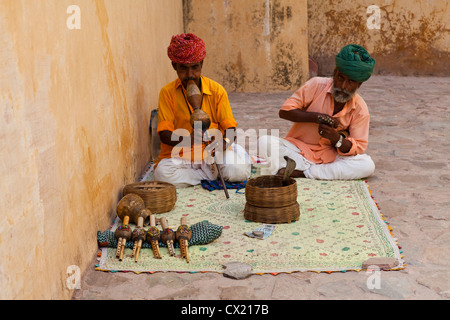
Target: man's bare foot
<point x="294" y="174"/>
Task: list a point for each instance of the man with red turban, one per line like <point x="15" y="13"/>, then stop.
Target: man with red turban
<point x="186" y="48"/>
<point x="177" y="162"/>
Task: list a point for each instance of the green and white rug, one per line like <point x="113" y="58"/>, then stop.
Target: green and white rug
<point x="340" y="227"/>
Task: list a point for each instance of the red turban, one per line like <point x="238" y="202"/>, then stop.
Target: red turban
<point x="186" y="48"/>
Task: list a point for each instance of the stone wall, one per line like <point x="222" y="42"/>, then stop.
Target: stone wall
<point x="252" y="45"/>
<point x="77" y="85"/>
<point x="264" y="45"/>
<point x="406" y="37"/>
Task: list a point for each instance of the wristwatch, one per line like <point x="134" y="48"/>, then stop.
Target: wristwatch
<point x="339" y="143"/>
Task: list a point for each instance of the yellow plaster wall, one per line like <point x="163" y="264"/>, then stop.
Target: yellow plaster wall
<point x="252" y="45"/>
<point x="74" y="115"/>
<point x="413" y="38"/>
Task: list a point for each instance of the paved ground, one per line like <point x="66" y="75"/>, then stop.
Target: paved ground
<point x="411" y="149"/>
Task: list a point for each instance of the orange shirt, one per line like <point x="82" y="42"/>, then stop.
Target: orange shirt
<point x="315" y="96"/>
<point x="175" y="111"/>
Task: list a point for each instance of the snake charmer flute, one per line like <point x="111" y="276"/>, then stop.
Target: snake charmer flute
<point x="153" y="236"/>
<point x="168" y="236"/>
<point x="138" y="236"/>
<point x="122" y="233"/>
<point x="184" y="234"/>
<point x="194" y="96"/>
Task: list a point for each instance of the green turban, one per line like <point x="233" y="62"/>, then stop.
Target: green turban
<point x="355" y="62"/>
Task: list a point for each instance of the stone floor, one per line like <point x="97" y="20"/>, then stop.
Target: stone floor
<point x="411" y="149"/>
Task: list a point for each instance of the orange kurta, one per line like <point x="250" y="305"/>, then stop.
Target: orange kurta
<point x="175" y="111"/>
<point x="315" y="96"/>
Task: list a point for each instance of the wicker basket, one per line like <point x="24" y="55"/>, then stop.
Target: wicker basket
<point x="158" y="196"/>
<point x="268" y="201"/>
<point x="272" y="215"/>
<point x="269" y="192"/>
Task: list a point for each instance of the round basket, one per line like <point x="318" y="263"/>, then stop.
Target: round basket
<point x="269" y="192"/>
<point x="272" y="215"/>
<point x="158" y="196"/>
<point x="269" y="201"/>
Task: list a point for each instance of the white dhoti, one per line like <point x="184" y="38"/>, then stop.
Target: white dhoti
<point x="235" y="165"/>
<point x="273" y="149"/>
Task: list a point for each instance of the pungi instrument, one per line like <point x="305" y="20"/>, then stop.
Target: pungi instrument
<point x="153" y="236"/>
<point x="194" y="97"/>
<point x="184" y="234"/>
<point x="168" y="236"/>
<point x="122" y="233"/>
<point x="138" y="235"/>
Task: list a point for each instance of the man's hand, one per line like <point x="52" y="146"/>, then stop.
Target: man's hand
<point x="329" y="133"/>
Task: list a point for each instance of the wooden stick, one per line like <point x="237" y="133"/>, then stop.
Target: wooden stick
<point x="219" y="171"/>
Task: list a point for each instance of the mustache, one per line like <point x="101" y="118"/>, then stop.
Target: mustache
<point x="337" y="90"/>
<point x="342" y="95"/>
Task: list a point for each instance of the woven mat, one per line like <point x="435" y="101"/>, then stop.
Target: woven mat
<point x="340" y="227"/>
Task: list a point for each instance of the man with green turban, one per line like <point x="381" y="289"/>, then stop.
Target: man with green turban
<point x="330" y="128"/>
<point x="355" y="62"/>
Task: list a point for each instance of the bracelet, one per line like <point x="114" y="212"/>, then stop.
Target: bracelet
<point x="344" y="133"/>
<point x="325" y="120"/>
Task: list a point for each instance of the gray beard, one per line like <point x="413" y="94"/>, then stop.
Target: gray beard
<point x="341" y="95"/>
